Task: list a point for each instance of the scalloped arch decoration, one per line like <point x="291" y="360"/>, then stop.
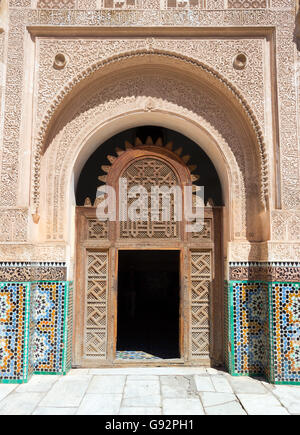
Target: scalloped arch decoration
<point x="46" y="122"/>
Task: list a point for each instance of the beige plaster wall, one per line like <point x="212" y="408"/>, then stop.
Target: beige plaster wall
<point x="254" y="143"/>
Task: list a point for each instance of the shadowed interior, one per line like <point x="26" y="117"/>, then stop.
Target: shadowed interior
<point x="148" y="302"/>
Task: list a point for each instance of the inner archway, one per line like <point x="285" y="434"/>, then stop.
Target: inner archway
<point x="119" y="261"/>
<point x="202" y="165"/>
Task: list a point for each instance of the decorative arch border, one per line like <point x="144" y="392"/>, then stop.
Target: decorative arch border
<point x="88" y="72"/>
<point x="84" y="136"/>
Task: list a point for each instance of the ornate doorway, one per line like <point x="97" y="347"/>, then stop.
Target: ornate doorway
<point x="101" y="244"/>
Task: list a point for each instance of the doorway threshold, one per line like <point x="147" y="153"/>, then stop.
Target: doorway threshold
<point x="141" y="357"/>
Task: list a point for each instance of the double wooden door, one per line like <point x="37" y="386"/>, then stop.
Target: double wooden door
<point x="96" y="289"/>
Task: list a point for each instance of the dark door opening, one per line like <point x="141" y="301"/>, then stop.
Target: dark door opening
<point x="148" y="303"/>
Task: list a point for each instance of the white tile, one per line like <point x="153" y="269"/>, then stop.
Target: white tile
<point x="244" y="384"/>
<point x="176" y="386"/>
<point x="212" y="399"/>
<point x="230" y="408"/>
<point x="141" y="388"/>
<point x="100" y="404"/>
<point x="20" y="403"/>
<point x="261" y="404"/>
<point x="144" y="401"/>
<point x="54" y="411"/>
<point x="107" y="384"/>
<point x="289" y="396"/>
<point x="140" y="411"/>
<point x="179" y="406"/>
<point x="142" y="378"/>
<point x="67" y="392"/>
<point x="38" y="384"/>
<point x="78" y="372"/>
<point x="204" y="383"/>
<point x="221" y="384"/>
<point x="5" y="389"/>
<point x="158" y="371"/>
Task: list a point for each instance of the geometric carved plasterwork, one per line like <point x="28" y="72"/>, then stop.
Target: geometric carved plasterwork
<point x="285" y="226"/>
<point x="113" y="101"/>
<point x="249" y="79"/>
<point x="56" y="4"/>
<point x="26" y="252"/>
<point x="218" y="54"/>
<point x="281" y="17"/>
<point x="282" y="20"/>
<point x="248" y="4"/>
<point x="13" y="109"/>
<point x="265" y="251"/>
<point x="121" y="4"/>
<point x="13" y="225"/>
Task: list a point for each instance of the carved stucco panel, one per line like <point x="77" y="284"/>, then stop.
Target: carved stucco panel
<point x="282" y="19"/>
<point x="25" y="252"/>
<point x="2" y="88"/>
<point x="286" y="64"/>
<point x="218" y="54"/>
<point x="285" y="226"/>
<point x="13" y="109"/>
<point x="267" y="251"/>
<point x="13" y="225"/>
<point x="166" y="94"/>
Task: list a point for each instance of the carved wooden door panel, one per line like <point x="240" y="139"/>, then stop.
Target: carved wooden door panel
<point x="97" y="245"/>
<point x="92" y="289"/>
<point x="200" y="279"/>
<point x="95" y="322"/>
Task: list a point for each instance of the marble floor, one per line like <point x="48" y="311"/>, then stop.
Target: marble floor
<point x="148" y="391"/>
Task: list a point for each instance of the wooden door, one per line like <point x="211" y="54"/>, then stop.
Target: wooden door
<point x="201" y="292"/>
<point x="201" y="271"/>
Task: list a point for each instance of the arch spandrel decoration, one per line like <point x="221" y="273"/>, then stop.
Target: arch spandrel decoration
<point x="108" y="108"/>
<point x="213" y="78"/>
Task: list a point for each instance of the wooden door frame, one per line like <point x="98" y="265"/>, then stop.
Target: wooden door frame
<point x="113" y="242"/>
<point x="185" y="248"/>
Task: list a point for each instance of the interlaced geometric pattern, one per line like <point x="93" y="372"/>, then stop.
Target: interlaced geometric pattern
<point x="205" y="232"/>
<point x="200" y="289"/>
<point x="185" y="4"/>
<point x="150" y="172"/>
<point x="97" y="229"/>
<point x="248" y="4"/>
<point x="96" y="304"/>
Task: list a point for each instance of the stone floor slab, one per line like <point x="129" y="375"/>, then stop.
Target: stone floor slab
<point x="40" y="410"/>
<point x="6" y="389"/>
<point x="140" y="411"/>
<point x="176" y="386"/>
<point x="67" y="392"/>
<point x="144" y="401"/>
<point x="20" y="403"/>
<point x="213" y="398"/>
<point x="230" y="408"/>
<point x="261" y="404"/>
<point x="141" y="388"/>
<point x="100" y="404"/>
<point x="244" y="384"/>
<point x="107" y="384"/>
<point x="289" y="396"/>
<point x="221" y="384"/>
<point x="190" y="406"/>
<point x="38" y="384"/>
<point x="204" y="383"/>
